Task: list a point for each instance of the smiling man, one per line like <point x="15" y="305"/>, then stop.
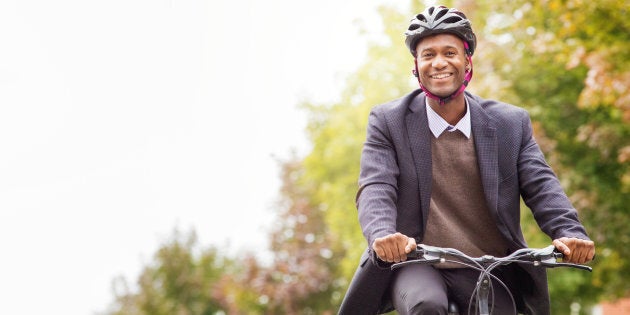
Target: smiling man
<point x="447" y="168"/>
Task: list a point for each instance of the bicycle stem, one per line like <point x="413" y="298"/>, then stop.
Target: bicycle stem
<point x="482" y="295"/>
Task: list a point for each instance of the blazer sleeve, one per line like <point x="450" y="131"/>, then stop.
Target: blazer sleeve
<point x="542" y="192"/>
<point x="377" y="194"/>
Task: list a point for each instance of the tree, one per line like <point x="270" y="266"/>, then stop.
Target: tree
<point x="186" y="280"/>
<point x="574" y="80"/>
<point x="179" y="281"/>
<point x="300" y="280"/>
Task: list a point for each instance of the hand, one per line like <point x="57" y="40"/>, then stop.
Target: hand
<point x="575" y="250"/>
<point x="393" y="247"/>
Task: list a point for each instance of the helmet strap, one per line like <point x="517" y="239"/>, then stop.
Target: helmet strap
<point x="467" y="78"/>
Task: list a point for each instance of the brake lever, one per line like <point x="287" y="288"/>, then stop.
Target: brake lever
<point x="546" y="253"/>
<point x="418" y="256"/>
<point x="415" y="254"/>
<point x="561" y="264"/>
<point x="549" y="256"/>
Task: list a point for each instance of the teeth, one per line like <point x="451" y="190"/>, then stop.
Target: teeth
<point x="441" y="76"/>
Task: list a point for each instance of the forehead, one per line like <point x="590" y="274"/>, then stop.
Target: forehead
<point x="440" y="41"/>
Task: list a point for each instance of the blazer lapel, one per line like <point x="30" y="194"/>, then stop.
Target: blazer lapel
<point x="486" y="145"/>
<point x="420" y="142"/>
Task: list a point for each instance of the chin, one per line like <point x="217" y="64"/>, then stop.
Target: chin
<point x="442" y="93"/>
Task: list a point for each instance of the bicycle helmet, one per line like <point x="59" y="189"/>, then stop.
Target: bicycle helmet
<point x="441" y="20"/>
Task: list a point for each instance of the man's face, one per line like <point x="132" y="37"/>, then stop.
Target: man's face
<point x="442" y="63"/>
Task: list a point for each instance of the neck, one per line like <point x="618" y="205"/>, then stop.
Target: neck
<point x="451" y="111"/>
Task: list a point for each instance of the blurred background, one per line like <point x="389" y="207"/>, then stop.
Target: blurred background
<point x="201" y="157"/>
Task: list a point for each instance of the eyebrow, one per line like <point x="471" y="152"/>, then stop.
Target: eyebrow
<point x="432" y="48"/>
<point x="440" y="47"/>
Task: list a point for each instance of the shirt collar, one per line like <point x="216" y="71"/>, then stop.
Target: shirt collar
<point x="437" y="124"/>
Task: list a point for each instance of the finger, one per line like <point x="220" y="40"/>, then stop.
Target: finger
<point x="588" y="248"/>
<point x="562" y="247"/>
<point x="399" y="253"/>
<point x="592" y="250"/>
<point x="379" y="249"/>
<point x="405" y="246"/>
<point x="396" y="257"/>
<point x="403" y="249"/>
<point x="582" y="252"/>
<point x="579" y="257"/>
<point x="389" y="254"/>
<point x="397" y="248"/>
<point x="399" y="241"/>
<point x="576" y="251"/>
<point x="379" y="252"/>
<point x="591" y="254"/>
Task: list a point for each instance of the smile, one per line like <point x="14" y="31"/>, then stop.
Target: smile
<point x="441" y="75"/>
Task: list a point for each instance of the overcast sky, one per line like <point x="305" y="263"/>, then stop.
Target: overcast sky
<point x="122" y="120"/>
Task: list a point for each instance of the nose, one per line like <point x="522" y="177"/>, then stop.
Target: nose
<point x="439" y="62"/>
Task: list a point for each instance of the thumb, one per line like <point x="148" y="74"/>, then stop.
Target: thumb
<point x="562" y="247"/>
<point x="411" y="245"/>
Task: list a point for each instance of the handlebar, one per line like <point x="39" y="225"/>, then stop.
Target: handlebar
<point x="546" y="257"/>
<point x="540" y="257"/>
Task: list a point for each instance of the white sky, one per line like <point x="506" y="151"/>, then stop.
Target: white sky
<point x="121" y="120"/>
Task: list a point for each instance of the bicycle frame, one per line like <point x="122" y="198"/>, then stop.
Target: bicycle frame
<point x="541" y="257"/>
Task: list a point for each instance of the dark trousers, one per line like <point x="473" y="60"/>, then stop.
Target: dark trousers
<point x="423" y="289"/>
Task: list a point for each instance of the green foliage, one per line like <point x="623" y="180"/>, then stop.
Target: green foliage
<point x="301" y="278"/>
<point x="186" y="280"/>
<point x="574" y="81"/>
<point x="178" y="282"/>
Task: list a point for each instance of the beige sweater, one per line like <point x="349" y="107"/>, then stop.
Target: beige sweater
<point x="458" y="216"/>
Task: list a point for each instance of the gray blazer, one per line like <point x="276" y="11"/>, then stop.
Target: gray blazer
<point x="395" y="190"/>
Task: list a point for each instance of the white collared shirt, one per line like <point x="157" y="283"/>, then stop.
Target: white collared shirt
<point x="437" y="124"/>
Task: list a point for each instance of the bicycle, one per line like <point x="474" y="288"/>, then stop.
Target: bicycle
<point x="541" y="257"/>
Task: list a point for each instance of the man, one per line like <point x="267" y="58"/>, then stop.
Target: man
<point x="447" y="168"/>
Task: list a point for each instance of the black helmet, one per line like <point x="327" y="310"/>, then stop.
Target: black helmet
<point x="440" y="20"/>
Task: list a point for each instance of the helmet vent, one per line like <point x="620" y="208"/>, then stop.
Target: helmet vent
<point x="440" y="14"/>
<point x="452" y="19"/>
